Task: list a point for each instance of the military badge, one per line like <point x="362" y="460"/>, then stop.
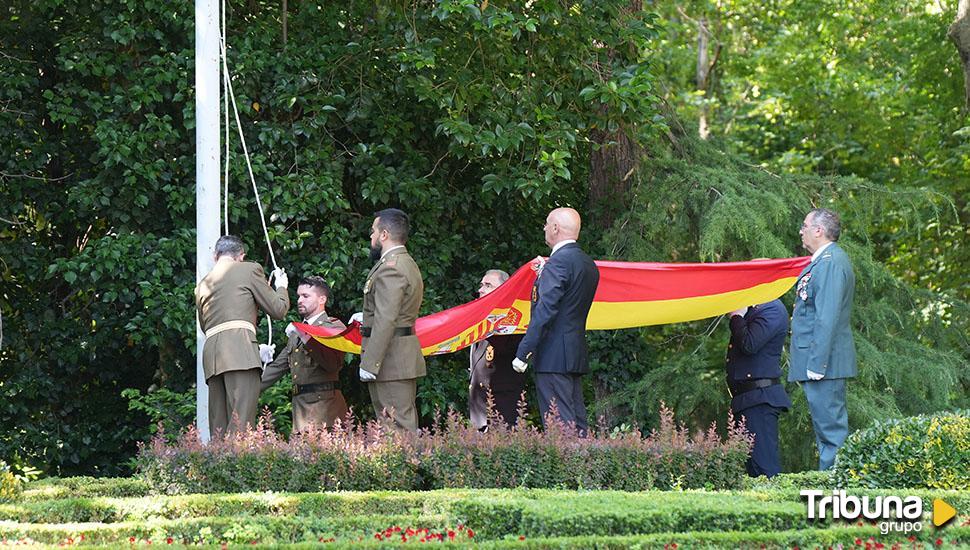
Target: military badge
<point x="367" y="286"/>
<point x="535" y="294"/>
<point x="802" y="288"/>
<point x="490" y="353"/>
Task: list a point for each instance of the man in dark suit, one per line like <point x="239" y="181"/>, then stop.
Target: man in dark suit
<point x="491" y="370"/>
<point x="822" y="352"/>
<point x="390" y="359"/>
<point x="555" y="340"/>
<point x="317" y="399"/>
<point x="754" y="378"/>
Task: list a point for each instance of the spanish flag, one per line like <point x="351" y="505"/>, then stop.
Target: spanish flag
<point x="629" y="295"/>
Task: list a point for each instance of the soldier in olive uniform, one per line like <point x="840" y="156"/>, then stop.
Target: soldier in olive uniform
<point x="391" y="361"/>
<point x="490" y="369"/>
<point x="317" y="399"/>
<point x="227" y="299"/>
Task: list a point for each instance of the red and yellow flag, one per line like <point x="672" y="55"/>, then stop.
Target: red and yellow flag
<point x="629" y="295"/>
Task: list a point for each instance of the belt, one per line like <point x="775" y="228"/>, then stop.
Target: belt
<point x="399" y="331"/>
<point x="737" y="388"/>
<point x="300" y="389"/>
<point x="229" y="325"/>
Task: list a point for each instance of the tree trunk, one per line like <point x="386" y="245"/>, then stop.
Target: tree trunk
<point x="614" y="159"/>
<point x="703" y="70"/>
<point x="284" y="22"/>
<point x="959" y="33"/>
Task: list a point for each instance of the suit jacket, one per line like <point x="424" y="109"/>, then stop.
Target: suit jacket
<point x="234" y="291"/>
<point x="821" y="336"/>
<point x="755" y="352"/>
<point x="392" y="299"/>
<point x="310" y="362"/>
<point x="561" y="298"/>
<point x="493" y="369"/>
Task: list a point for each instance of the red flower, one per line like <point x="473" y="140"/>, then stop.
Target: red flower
<point x="880" y="546"/>
<point x="858" y="542"/>
<point x="521" y="537"/>
<point x="471" y="534"/>
<point x="131" y="539"/>
<point x="169" y="540"/>
<point x="378" y="536"/>
<point x="912" y="538"/>
<point x="939" y="542"/>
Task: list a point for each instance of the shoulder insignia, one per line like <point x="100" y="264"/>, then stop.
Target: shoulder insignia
<point x="367" y="286"/>
<point x="490" y="353"/>
<point x="535" y="294"/>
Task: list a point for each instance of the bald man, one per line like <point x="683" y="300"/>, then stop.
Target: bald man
<point x="555" y="342"/>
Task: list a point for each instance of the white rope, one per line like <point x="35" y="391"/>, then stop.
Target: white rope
<point x="225" y="98"/>
<point x="230" y="97"/>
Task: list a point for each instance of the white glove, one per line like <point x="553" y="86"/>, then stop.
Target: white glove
<point x="519" y="365"/>
<point x="742" y="312"/>
<point x="266" y="352"/>
<point x="280" y="278"/>
<point x="359" y="317"/>
<point x="812" y="375"/>
<point x="291" y="331"/>
<point x="367" y="376"/>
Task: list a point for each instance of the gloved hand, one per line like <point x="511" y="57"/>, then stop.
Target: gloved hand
<point x="812" y="375"/>
<point x="519" y="365"/>
<point x="367" y="376"/>
<point x="358" y="317"/>
<point x="280" y="278"/>
<point x="742" y="312"/>
<point x="266" y="352"/>
<point x="291" y="331"/>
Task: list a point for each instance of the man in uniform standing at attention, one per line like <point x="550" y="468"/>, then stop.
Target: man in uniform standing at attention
<point x="491" y="369"/>
<point x="391" y="361"/>
<point x="317" y="399"/>
<point x="226" y="300"/>
<point x="556" y="338"/>
<point x="822" y="352"/>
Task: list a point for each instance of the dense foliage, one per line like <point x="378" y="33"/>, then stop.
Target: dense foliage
<point x="931" y="451"/>
<point x="449" y="455"/>
<point x="476" y="117"/>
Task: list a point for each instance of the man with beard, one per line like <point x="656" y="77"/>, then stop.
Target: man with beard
<point x="391" y="361"/>
<point x="317" y="399"/>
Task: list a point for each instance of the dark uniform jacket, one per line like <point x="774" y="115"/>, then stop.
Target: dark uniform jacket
<point x="491" y="369"/>
<point x="754" y="353"/>
<point x="392" y="299"/>
<point x="555" y="341"/>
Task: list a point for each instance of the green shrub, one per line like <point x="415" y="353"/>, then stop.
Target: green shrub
<point x="930" y="451"/>
<point x="10" y="486"/>
<point x="449" y="455"/>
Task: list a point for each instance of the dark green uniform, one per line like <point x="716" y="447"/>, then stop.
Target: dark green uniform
<point x="389" y="346"/>
<point x="317" y="399"/>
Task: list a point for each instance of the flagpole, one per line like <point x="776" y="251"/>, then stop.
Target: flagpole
<point x="207" y="164"/>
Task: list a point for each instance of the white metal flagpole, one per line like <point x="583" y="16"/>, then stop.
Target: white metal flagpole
<point x="207" y="164"/>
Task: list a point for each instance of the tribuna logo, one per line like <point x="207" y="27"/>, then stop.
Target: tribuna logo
<point x="901" y="514"/>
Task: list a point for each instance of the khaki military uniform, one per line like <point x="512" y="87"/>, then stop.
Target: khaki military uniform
<point x="389" y="346"/>
<point x="227" y="301"/>
<point x="317" y="399"/>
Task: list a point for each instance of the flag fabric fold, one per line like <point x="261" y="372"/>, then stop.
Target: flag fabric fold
<point x="630" y="294"/>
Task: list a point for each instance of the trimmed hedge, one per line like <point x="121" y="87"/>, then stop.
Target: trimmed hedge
<point x="450" y="455"/>
<point x="930" y="451"/>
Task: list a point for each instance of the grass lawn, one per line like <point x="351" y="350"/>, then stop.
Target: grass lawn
<point x="123" y="512"/>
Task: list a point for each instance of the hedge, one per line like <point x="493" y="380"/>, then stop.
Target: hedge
<point x="929" y="451"/>
<point x="450" y="455"/>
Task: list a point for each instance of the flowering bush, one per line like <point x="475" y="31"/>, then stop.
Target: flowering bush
<point x="450" y="454"/>
<point x="10" y="486"/>
<point x="931" y="451"/>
